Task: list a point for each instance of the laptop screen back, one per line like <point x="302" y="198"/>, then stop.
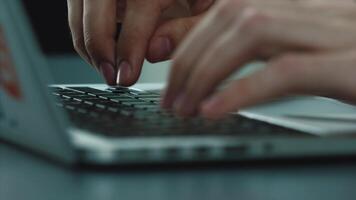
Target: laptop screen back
<point x="27" y="117"/>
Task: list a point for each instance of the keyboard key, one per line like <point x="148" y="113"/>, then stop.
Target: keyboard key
<point x="121" y="112"/>
<point x="89" y="90"/>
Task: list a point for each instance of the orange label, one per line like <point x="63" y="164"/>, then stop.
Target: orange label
<point x="8" y="77"/>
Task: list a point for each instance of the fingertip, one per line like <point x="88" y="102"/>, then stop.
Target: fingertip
<point x="160" y="48"/>
<point x="108" y="72"/>
<point x="182" y="106"/>
<point x="167" y="101"/>
<point x="126" y="75"/>
<point x="211" y="108"/>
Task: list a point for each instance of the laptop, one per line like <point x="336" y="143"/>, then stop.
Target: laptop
<point x="101" y="125"/>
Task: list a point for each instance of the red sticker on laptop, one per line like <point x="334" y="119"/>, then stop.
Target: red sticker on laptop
<point x="9" y="81"/>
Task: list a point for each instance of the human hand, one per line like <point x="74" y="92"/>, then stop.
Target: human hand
<point x="309" y="47"/>
<point x="94" y="27"/>
<point x="171" y="32"/>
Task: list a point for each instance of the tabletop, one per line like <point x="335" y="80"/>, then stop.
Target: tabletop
<point x="24" y="176"/>
<point x="27" y="176"/>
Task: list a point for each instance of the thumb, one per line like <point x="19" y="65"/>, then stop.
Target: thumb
<point x="168" y="36"/>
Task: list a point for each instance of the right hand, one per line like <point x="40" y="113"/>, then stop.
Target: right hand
<point x="307" y="52"/>
<point x="149" y="28"/>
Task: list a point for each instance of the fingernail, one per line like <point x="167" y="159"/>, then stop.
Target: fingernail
<point x="160" y="49"/>
<point x="124" y="73"/>
<point x="108" y="72"/>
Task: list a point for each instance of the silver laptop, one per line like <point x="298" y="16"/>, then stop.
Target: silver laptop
<point x="95" y="124"/>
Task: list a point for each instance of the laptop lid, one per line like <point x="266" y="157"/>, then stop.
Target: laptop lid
<point x="27" y="116"/>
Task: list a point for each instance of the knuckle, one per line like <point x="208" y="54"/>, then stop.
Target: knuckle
<point x="252" y="21"/>
<point x="78" y="45"/>
<point x="184" y="26"/>
<point x="91" y="45"/>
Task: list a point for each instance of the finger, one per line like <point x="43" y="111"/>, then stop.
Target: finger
<point x="289" y="74"/>
<point x="178" y="9"/>
<point x="316" y="8"/>
<point x="201" y="37"/>
<point x="168" y="36"/>
<point x="223" y="57"/>
<point x="121" y="9"/>
<point x="259" y="87"/>
<point x="138" y="26"/>
<point x="199" y="6"/>
<point x="75" y="17"/>
<point x="99" y="35"/>
<point x="243" y="43"/>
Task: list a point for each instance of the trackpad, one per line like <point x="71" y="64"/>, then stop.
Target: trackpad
<point x="317" y="115"/>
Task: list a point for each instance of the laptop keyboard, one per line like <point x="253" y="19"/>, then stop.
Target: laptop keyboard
<point x="119" y="112"/>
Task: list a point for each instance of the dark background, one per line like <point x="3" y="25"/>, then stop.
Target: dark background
<point x="49" y="18"/>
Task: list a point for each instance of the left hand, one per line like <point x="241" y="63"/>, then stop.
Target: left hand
<point x="309" y="46"/>
<point x="119" y="56"/>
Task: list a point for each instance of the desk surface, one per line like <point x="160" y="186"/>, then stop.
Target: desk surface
<point x="23" y="176"/>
